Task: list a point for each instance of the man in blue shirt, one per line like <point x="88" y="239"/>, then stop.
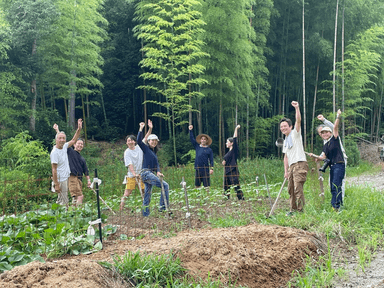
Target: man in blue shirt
<point x="150" y="172"/>
<point x="203" y="169"/>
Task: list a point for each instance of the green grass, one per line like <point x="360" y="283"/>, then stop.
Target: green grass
<point x="359" y="225"/>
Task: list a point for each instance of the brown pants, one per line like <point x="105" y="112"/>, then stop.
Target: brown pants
<point x="297" y="175"/>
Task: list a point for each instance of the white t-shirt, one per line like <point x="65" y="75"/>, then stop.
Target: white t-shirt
<point x="60" y="157"/>
<point x="296" y="152"/>
<point x="133" y="157"/>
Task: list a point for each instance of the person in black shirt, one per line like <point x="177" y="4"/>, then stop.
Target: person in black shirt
<point x="203" y="160"/>
<point x="78" y="168"/>
<point x="333" y="152"/>
<point x="231" y="177"/>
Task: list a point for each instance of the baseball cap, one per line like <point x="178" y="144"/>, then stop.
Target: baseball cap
<point x="326" y="128"/>
<point x="153" y="137"/>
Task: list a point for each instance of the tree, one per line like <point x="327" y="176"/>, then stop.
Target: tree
<point x="74" y="52"/>
<point x="31" y="21"/>
<point x="233" y="59"/>
<point x="13" y="106"/>
<point x="170" y="30"/>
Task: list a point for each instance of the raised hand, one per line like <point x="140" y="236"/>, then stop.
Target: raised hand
<point x="295" y="104"/>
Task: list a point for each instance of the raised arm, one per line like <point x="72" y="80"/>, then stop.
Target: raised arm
<point x="336" y="128"/>
<point x="150" y="126"/>
<point x="140" y="137"/>
<point x="235" y="133"/>
<point x="77" y="134"/>
<point x="325" y="121"/>
<point x="297" y="116"/>
<point x="192" y="137"/>
<point x="56" y="127"/>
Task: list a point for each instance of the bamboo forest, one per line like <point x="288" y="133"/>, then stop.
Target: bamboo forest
<point x="213" y="64"/>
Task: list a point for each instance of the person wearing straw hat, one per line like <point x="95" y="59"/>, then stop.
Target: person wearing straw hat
<point x="150" y="173"/>
<point x="203" y="160"/>
<point x="332" y="151"/>
<point x="295" y="162"/>
<point x="231" y="176"/>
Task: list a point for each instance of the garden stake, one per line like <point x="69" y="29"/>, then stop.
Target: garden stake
<point x="278" y="196"/>
<point x="98" y="205"/>
<point x="165" y="198"/>
<point x="257" y="184"/>
<point x="138" y="185"/>
<point x="188" y="215"/>
<point x="269" y="195"/>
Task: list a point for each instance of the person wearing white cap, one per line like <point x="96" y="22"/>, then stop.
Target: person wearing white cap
<point x="151" y="171"/>
<point x="133" y="160"/>
<point x="333" y="152"/>
<point x="330" y="125"/>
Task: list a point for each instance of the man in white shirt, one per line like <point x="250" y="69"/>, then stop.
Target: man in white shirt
<point x="295" y="162"/>
<point x="60" y="164"/>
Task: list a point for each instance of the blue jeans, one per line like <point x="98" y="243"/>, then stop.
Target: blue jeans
<point x="149" y="180"/>
<point x="336" y="177"/>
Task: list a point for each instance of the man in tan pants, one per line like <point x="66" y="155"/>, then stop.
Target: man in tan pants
<point x="295" y="162"/>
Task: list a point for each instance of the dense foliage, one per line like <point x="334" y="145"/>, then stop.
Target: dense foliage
<point x="224" y="62"/>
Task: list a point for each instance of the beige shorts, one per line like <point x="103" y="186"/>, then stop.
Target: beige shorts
<point x="75" y="186"/>
<point x="131" y="183"/>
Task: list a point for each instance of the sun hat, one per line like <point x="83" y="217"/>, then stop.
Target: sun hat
<point x="153" y="137"/>
<point x="326" y="128"/>
<point x="209" y="139"/>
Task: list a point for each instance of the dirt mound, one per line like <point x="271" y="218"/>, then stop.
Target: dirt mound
<point x="63" y="273"/>
<point x="254" y="255"/>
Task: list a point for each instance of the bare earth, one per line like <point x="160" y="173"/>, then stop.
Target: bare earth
<point x="256" y="255"/>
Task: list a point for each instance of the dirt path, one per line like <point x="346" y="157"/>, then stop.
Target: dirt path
<point x="373" y="276"/>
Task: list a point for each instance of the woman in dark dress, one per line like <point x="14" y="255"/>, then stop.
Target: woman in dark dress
<point x="231" y="177"/>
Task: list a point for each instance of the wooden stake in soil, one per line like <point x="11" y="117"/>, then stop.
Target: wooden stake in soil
<point x="269" y="195"/>
<point x="188" y="215"/>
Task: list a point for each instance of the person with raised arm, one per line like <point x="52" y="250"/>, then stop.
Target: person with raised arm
<point x="150" y="173"/>
<point x="78" y="168"/>
<point x="327" y="123"/>
<point x="295" y="162"/>
<point x="60" y="164"/>
<point x="133" y="160"/>
<point x="333" y="152"/>
<point x="231" y="176"/>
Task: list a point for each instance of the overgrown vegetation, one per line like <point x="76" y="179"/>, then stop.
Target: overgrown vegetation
<point x="52" y="232"/>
